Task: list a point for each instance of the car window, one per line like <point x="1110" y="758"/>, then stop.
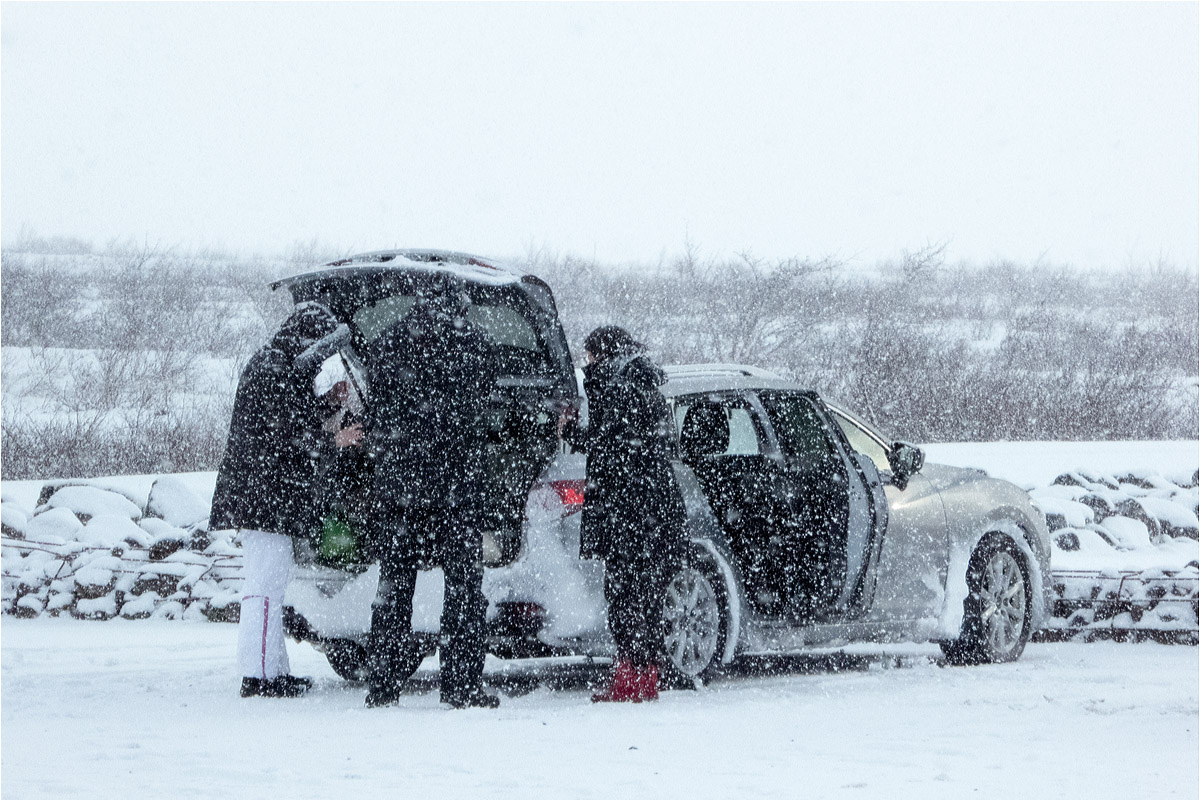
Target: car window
<point x="518" y="351"/>
<point x="743" y="434"/>
<point x="505" y="325"/>
<point x="862" y="442"/>
<point x="798" y="426"/>
<point x="743" y="438"/>
<point x="373" y="320"/>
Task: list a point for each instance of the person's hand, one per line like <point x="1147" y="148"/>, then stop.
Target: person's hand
<point x="567" y="415"/>
<point x="340" y="392"/>
<point x="351" y="435"/>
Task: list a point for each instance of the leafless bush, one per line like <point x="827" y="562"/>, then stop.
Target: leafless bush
<point x="77" y="447"/>
<point x="929" y="351"/>
<point x="129" y="354"/>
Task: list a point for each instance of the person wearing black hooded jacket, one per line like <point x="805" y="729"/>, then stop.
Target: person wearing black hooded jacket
<point x="633" y="512"/>
<point x="266" y="483"/>
<point x="431" y="376"/>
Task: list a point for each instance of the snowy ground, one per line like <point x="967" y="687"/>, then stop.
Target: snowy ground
<point x="149" y="709"/>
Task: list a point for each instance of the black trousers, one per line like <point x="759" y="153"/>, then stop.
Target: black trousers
<point x="458" y="544"/>
<point x="635" y="590"/>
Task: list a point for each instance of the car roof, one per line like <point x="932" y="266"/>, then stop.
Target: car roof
<point x="475" y="269"/>
<point x="693" y="379"/>
<point x="687" y="379"/>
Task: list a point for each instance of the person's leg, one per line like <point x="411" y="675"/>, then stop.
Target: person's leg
<point x="620" y="592"/>
<point x="647" y="627"/>
<point x="390" y="642"/>
<point x="647" y="643"/>
<point x="464" y="615"/>
<point x="267" y="565"/>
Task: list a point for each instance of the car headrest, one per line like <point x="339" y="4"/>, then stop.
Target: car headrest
<point x="705" y="431"/>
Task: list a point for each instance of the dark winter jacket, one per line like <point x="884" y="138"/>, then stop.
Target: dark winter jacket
<point x="266" y="478"/>
<point x="632" y="506"/>
<point x="431" y="376"/>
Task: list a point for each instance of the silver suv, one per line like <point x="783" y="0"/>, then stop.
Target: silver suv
<point x="808" y="526"/>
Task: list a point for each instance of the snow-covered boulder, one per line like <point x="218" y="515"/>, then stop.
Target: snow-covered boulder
<point x="101" y="608"/>
<point x="13" y="520"/>
<point x="54" y="526"/>
<point x="172" y="500"/>
<point x="88" y="501"/>
<point x="96" y="574"/>
<point x="111" y="531"/>
<point x="141" y="606"/>
<point x="1175" y="519"/>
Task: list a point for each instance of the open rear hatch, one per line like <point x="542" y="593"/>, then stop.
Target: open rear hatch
<point x="536" y="382"/>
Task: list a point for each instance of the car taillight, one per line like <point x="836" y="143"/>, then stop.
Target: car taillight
<point x="570" y="493"/>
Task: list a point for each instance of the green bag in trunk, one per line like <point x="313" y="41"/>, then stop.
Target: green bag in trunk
<point x="339" y="545"/>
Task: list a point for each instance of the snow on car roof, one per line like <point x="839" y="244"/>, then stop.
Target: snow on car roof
<point x="476" y="269"/>
<point x="718" y="368"/>
<point x="685" y="379"/>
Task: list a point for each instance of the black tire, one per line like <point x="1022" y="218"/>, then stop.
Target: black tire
<point x="998" y="609"/>
<point x="695" y="623"/>
<point x="347" y="658"/>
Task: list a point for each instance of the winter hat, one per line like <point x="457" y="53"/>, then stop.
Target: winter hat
<point x="332" y="371"/>
<point x="444" y="296"/>
<point x="608" y="341"/>
<point x="307" y="323"/>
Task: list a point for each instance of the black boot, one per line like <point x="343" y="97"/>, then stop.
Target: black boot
<point x="278" y="687"/>
<point x="383" y="695"/>
<point x="466" y="699"/>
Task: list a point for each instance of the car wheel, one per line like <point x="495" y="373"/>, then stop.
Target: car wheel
<point x="997" y="610"/>
<point x="695" y="623"/>
<point x="347" y="658"/>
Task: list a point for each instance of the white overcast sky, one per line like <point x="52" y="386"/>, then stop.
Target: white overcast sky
<point x="1067" y="132"/>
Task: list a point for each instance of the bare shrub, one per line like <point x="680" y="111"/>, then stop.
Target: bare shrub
<point x="129" y="354"/>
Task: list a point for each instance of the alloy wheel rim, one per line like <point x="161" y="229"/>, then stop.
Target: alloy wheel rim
<point x="1004" y="602"/>
<point x="692" y="615"/>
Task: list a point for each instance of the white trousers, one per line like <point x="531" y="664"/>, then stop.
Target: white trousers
<point x="267" y="565"/>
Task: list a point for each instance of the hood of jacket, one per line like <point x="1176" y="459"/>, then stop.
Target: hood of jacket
<point x="308" y="324"/>
<point x="634" y="367"/>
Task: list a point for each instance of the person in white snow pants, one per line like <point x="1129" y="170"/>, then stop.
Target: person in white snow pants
<point x="268" y="565"/>
<point x="266" y="485"/>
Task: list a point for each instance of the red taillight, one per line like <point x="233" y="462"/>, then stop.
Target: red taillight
<point x="570" y="493"/>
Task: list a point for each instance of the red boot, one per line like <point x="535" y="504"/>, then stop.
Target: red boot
<point x="648" y="683"/>
<point x="625" y="686"/>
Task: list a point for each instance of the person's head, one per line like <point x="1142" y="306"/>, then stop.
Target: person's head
<point x="309" y="321"/>
<point x="609" y="341"/>
<point x="443" y="295"/>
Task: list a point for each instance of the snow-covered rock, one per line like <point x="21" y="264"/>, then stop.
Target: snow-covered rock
<point x="86" y="502"/>
<point x="172" y="499"/>
<point x="55" y="527"/>
<point x="1124" y="545"/>
<point x="13" y="520"/>
<point x="109" y="531"/>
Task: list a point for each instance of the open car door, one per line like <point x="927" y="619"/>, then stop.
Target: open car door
<point x="840" y="499"/>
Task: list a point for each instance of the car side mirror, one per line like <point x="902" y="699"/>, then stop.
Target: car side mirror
<point x="906" y="460"/>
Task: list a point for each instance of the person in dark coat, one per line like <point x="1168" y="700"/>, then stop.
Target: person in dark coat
<point x="633" y="512"/>
<point x="265" y="485"/>
<point x="431" y="375"/>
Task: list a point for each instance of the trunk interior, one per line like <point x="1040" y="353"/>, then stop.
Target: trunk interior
<point x="537" y="380"/>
